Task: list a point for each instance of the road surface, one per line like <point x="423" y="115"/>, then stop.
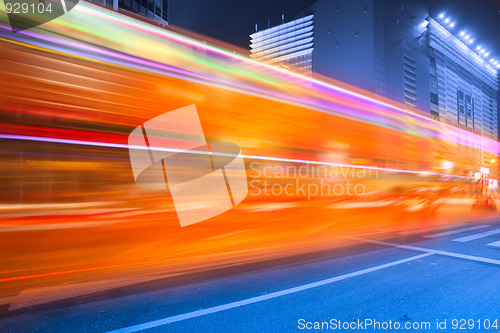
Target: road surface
<point x="443" y="275"/>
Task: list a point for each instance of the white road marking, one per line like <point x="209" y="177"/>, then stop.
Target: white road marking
<point x="477" y="236"/>
<point x="495" y="244"/>
<point x="199" y="313"/>
<point x="435" y="228"/>
<point x="457" y="231"/>
<point x="431" y="251"/>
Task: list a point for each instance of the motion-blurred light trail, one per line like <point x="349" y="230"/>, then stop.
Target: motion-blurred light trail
<point x="348" y="103"/>
<point x="72" y="90"/>
<point x="196" y="152"/>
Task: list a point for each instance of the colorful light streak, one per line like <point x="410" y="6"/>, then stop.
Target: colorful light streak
<point x="345" y="102"/>
<point x="195" y="152"/>
<point x="77" y="86"/>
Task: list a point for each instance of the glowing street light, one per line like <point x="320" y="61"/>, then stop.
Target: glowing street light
<point x="441" y="15"/>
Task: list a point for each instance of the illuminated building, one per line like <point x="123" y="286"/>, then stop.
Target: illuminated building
<point x="154" y="10"/>
<point x="395" y="49"/>
<point x="463" y="84"/>
<point x="290" y="44"/>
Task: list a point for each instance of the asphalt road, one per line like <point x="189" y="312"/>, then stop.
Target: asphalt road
<point x="452" y="272"/>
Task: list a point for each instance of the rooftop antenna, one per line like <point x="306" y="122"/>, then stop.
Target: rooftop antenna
<point x="256" y="27"/>
<point x="282" y="18"/>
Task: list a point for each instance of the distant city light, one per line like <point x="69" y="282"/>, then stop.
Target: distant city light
<point x="441" y="15"/>
<point x="487" y="54"/>
<point x="498" y="66"/>
<point x="452" y="24"/>
<point x="467" y="37"/>
<point x="471" y="41"/>
<point x="484" y="171"/>
<point x="462" y="33"/>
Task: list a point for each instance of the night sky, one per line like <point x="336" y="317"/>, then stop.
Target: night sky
<point x="232" y="21"/>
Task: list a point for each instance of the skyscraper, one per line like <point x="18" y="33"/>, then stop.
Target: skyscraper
<point x="154" y="10"/>
<point x="463" y="84"/>
<point x="290" y="44"/>
<point x="395" y="49"/>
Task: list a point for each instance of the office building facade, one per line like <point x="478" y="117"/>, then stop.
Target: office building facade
<point x="463" y="84"/>
<point x="394" y="49"/>
<point x="154" y="10"/>
<point x="289" y="44"/>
